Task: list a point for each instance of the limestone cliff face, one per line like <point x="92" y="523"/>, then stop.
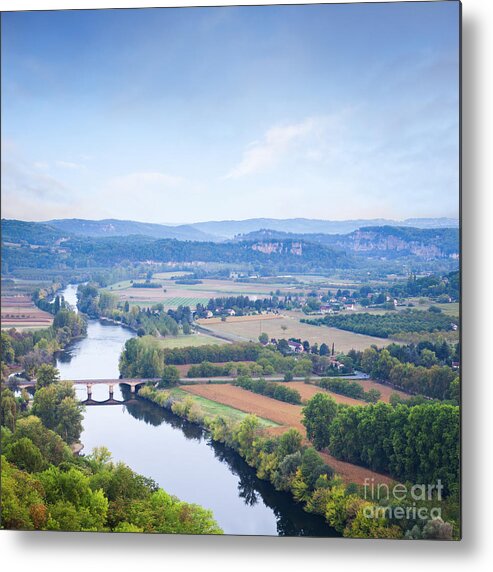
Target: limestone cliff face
<point x="376" y="242"/>
<point x="279" y="247"/>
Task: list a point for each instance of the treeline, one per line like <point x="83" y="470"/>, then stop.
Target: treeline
<point x="146" y="284"/>
<point x="292" y="466"/>
<point x="240" y="304"/>
<point x="207" y="369"/>
<point x="270" y="389"/>
<point x="385" y="325"/>
<point x="87" y="252"/>
<point x="45" y="487"/>
<point x="153" y="321"/>
<point x="140" y="358"/>
<point x="437" y="381"/>
<point x="350" y="389"/>
<point x="419" y="444"/>
<point x="30" y="349"/>
<point x="429" y="286"/>
<point x="41" y="297"/>
<point x="425" y="353"/>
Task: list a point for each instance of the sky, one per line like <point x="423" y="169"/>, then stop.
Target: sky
<point x="184" y="115"/>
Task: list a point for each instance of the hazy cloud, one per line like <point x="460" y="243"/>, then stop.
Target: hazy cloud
<point x="274" y="145"/>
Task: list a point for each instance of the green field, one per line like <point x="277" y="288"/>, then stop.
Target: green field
<point x="184" y="301"/>
<point x="213" y="409"/>
<point x="182" y="341"/>
<point x="452" y="309"/>
<point x="119" y="285"/>
<point x="170" y="275"/>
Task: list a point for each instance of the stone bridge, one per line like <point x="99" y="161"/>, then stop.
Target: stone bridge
<point x="133" y="383"/>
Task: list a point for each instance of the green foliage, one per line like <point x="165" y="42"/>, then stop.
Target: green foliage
<point x="25" y="455"/>
<point x="270" y="389"/>
<point x="385" y="325"/>
<point x="85" y="494"/>
<point x="46" y="375"/>
<point x="379" y="437"/>
<point x="170" y="376"/>
<point x="59" y="410"/>
<point x="139" y="359"/>
<point x="350" y="389"/>
<point x="318" y="414"/>
<point x="51" y="445"/>
<point x="436" y="381"/>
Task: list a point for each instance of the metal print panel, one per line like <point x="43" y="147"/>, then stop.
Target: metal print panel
<point x="231" y="270"/>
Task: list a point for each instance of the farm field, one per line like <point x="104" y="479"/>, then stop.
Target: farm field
<point x="307" y="391"/>
<point x="284" y="414"/>
<point x="182" y="341"/>
<point x="234" y="319"/>
<point x="452" y="309"/>
<point x="172" y="295"/>
<point x="343" y="340"/>
<point x="19" y="312"/>
<point x="249" y="402"/>
<point x="214" y="408"/>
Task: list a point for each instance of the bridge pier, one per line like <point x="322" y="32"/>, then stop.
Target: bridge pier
<point x="89" y="391"/>
<point x="110" y="387"/>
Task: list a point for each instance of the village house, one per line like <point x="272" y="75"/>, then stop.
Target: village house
<point x="296" y="347"/>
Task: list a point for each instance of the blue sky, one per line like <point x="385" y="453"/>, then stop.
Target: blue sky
<point x="183" y="115"/>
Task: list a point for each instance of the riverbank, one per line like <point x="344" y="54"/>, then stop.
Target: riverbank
<point x="286" y="461"/>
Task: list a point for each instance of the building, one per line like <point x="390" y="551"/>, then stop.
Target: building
<point x="296" y="347"/>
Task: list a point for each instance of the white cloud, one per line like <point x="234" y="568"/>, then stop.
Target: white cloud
<point x="68" y="165"/>
<point x="273" y="147"/>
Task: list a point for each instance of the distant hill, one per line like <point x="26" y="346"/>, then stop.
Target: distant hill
<point x="389" y="241"/>
<point x="114" y="227"/>
<point x="231" y="228"/>
<point x="19" y="231"/>
<point x="211" y="231"/>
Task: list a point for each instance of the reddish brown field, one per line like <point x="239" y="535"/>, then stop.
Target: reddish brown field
<point x="286" y="415"/>
<point x="277" y="411"/>
<point x="20" y="312"/>
<point x="385" y="390"/>
<point x="308" y="391"/>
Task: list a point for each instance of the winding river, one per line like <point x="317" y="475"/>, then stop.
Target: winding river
<point x="178" y="455"/>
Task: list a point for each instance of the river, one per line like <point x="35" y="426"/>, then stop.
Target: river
<point x="178" y="455"/>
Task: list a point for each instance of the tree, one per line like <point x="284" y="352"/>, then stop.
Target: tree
<point x="283" y="346"/>
<point x="46" y="374"/>
<point x="8" y="409"/>
<point x="25" y="455"/>
<point x="324" y="349"/>
<point x="59" y="410"/>
<point x="263" y="338"/>
<point x="6" y="350"/>
<point x="318" y="414"/>
<point x="69" y="420"/>
<point x="170" y="377"/>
